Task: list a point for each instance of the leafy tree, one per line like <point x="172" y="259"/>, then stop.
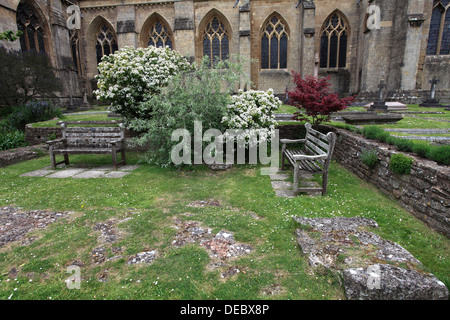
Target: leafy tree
<point x="199" y="94"/>
<point x="313" y="95"/>
<point x="25" y="76"/>
<point x="131" y="76"/>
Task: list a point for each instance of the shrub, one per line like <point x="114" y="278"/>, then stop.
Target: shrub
<point x="422" y="149"/>
<point x="314" y="96"/>
<point x="400" y="164"/>
<point x="404" y="144"/>
<point x="253" y="111"/>
<point x="131" y="76"/>
<point x="25" y="76"/>
<point x="195" y="95"/>
<point x="35" y="111"/>
<point x="371" y="132"/>
<point x="11" y="139"/>
<point x="440" y="154"/>
<point x="369" y="157"/>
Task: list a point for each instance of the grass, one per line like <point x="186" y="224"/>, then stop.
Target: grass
<point x="153" y="197"/>
<point x="74" y="117"/>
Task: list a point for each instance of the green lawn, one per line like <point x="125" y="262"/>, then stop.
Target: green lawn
<point x="153" y="197"/>
<point x="74" y="117"/>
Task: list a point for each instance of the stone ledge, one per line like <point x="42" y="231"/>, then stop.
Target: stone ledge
<point x="372" y="268"/>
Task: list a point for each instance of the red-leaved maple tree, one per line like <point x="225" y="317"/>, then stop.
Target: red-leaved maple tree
<point x="314" y="99"/>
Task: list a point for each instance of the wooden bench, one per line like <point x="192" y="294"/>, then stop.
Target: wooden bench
<point x="88" y="139"/>
<point x="314" y="158"/>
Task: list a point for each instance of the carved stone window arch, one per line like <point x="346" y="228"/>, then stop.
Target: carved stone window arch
<point x="439" y="35"/>
<point x="160" y="35"/>
<point x="333" y="42"/>
<point x="106" y="42"/>
<point x="216" y="41"/>
<point x="74" y="38"/>
<point x="274" y="44"/>
<point x="33" y="37"/>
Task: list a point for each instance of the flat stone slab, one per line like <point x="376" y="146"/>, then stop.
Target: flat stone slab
<point x="38" y="173"/>
<point x="282" y="185"/>
<point x="67" y="173"/>
<point x="372" y="267"/>
<point x="279" y="176"/>
<point x="285" y="193"/>
<point x="89" y="174"/>
<point x="388" y="282"/>
<point x="116" y="174"/>
<point x="392" y="105"/>
<point x="128" y="167"/>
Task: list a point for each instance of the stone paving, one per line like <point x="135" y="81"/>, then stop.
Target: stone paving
<point x="285" y="189"/>
<point x="82" y="172"/>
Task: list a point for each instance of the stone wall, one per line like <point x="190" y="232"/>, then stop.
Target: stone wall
<point x="425" y="192"/>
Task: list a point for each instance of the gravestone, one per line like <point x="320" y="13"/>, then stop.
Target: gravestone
<point x="380" y="104"/>
<point x="432" y="102"/>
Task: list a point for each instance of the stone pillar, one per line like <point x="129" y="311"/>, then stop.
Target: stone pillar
<point x="412" y="47"/>
<point x="376" y="56"/>
<point x="308" y="60"/>
<point x="70" y="95"/>
<point x="126" y="29"/>
<point x="184" y="29"/>
<point x="245" y="42"/>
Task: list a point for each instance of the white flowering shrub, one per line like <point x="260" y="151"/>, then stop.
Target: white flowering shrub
<point x="130" y="76"/>
<point x="253" y="112"/>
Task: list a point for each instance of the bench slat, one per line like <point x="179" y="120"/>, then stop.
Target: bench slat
<point x="322" y="144"/>
<point x="83" y="150"/>
<point x="318" y="134"/>
<point x="314" y="149"/>
<point x="92" y="129"/>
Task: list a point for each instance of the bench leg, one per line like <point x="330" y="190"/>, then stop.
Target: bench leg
<point x="296" y="177"/>
<point x="324" y="183"/>
<point x="124" y="159"/>
<point x="114" y="158"/>
<point x="283" y="159"/>
<point x="66" y="159"/>
<point x="52" y="157"/>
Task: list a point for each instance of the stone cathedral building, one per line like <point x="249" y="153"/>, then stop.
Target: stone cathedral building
<point x="406" y="43"/>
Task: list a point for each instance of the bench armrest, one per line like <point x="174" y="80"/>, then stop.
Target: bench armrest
<point x="117" y="142"/>
<point x="306" y="157"/>
<point x="285" y="141"/>
<point x="55" y="141"/>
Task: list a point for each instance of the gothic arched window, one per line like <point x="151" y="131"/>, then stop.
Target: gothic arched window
<point x="333" y="42"/>
<point x="160" y="36"/>
<point x="33" y="35"/>
<point x="216" y="41"/>
<point x="274" y="44"/>
<point x="439" y="36"/>
<point x="106" y="42"/>
<point x="75" y="48"/>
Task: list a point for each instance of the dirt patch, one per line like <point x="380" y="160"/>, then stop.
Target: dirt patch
<point x="15" y="223"/>
<point x="221" y="247"/>
<point x="204" y="203"/>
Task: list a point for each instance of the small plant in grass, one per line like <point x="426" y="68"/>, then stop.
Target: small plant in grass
<point x="369" y="157"/>
<point x="11" y="139"/>
<point x="400" y="164"/>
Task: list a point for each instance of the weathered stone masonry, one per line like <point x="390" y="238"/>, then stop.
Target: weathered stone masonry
<point x="425" y="192"/>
